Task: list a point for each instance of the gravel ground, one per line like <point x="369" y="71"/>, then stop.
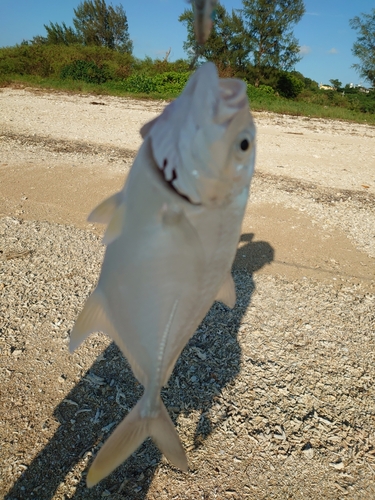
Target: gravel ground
<point x="274" y="399"/>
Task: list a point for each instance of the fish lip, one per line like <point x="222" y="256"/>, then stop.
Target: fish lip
<point x="181" y="195"/>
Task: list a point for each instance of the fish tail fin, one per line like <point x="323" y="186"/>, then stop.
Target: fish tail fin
<point x="164" y="434"/>
<point x="130" y="434"/>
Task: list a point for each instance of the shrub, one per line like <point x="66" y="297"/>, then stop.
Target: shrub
<point x="49" y="60"/>
<point x="151" y="66"/>
<point x="261" y="94"/>
<point x="140" y="83"/>
<point x="267" y="89"/>
<point x="171" y="83"/>
<point x="289" y="85"/>
<point x="86" y="71"/>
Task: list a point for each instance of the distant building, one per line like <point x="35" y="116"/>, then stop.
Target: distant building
<point x="326" y="87"/>
<point x="360" y="87"/>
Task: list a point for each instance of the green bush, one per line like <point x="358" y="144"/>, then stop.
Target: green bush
<point x="149" y="66"/>
<point x="261" y="94"/>
<point x="139" y="83"/>
<point x="86" y="71"/>
<point x="49" y="60"/>
<point x="267" y="89"/>
<point x="165" y="83"/>
<point x="368" y="103"/>
<point x="289" y="86"/>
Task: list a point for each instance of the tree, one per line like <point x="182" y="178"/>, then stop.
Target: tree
<point x="223" y="46"/>
<point x="58" y="35"/>
<point x="270" y="40"/>
<point x="99" y="24"/>
<point x="364" y="47"/>
<point x="256" y="40"/>
<point x="336" y="84"/>
<point x="96" y="23"/>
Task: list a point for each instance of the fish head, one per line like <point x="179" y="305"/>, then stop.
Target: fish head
<point x="204" y="141"/>
<point x="230" y="161"/>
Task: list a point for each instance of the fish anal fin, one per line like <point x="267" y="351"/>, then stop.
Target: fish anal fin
<point x="92" y="318"/>
<point x="130" y="434"/>
<point x="227" y="292"/>
<point x="115" y="226"/>
<point x="103" y="213"/>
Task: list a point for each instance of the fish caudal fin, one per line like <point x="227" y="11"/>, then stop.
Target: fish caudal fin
<point x="130" y="434"/>
<point x="164" y="434"/>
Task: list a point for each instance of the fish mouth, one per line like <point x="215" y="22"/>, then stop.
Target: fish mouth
<point x="168" y="183"/>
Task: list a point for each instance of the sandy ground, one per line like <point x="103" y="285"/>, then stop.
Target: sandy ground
<point x="292" y="413"/>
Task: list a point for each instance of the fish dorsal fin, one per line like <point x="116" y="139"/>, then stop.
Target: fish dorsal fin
<point x="227" y="292"/>
<point x="103" y="213"/>
<point x="93" y="318"/>
<point x="116" y="224"/>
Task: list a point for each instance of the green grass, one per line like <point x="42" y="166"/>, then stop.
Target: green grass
<point x="300" y="108"/>
<point x="258" y="101"/>
<point x="112" y="87"/>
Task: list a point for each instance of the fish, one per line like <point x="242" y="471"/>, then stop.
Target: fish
<point x="171" y="238"/>
<point x="204" y="12"/>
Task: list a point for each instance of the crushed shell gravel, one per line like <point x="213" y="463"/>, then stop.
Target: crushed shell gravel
<point x="274" y="399"/>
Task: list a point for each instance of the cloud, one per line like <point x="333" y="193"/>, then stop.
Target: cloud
<point x="304" y="50"/>
<point x="333" y="51"/>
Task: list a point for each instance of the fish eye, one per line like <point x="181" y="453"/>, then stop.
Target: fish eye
<point x="244" y="145"/>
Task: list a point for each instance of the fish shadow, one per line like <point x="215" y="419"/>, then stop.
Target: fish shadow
<point x="209" y="363"/>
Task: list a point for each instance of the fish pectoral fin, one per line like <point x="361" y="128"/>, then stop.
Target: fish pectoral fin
<point x="112" y="212"/>
<point x="227" y="292"/>
<point x="130" y="434"/>
<point x="145" y="129"/>
<point x="115" y="226"/>
<point x="92" y="318"/>
<point x="103" y="213"/>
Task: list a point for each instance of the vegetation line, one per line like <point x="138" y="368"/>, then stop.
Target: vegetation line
<point x="255" y="43"/>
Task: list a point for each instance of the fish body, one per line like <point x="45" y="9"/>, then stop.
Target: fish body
<point x="204" y="11"/>
<point x="171" y="239"/>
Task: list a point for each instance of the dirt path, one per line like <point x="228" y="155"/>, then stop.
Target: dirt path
<point x="286" y="401"/>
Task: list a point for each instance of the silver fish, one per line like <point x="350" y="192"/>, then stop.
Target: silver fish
<point x="203" y="18"/>
<point x="171" y="239"/>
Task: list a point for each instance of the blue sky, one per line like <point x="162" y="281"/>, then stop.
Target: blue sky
<point x="324" y="33"/>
